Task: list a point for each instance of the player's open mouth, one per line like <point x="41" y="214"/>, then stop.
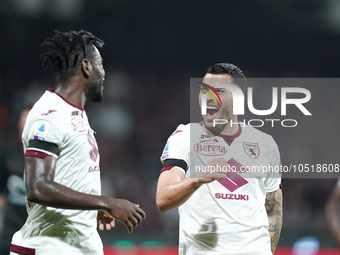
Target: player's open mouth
<point x="211" y="112"/>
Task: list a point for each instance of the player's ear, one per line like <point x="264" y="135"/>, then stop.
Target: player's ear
<point x="86" y="68"/>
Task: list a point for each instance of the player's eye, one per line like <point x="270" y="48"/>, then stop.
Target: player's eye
<point x="204" y="87"/>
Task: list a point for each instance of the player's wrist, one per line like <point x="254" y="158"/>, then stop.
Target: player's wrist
<point x="107" y="203"/>
<point x="197" y="182"/>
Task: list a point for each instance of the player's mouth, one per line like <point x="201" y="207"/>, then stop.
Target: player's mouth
<point x="212" y="111"/>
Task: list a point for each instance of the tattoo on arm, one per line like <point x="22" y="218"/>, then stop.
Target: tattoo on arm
<point x="273" y="204"/>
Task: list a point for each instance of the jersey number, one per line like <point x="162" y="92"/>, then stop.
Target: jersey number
<point x="94" y="151"/>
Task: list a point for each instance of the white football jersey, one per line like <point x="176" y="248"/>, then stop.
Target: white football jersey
<point x="60" y="129"/>
<point x="226" y="216"/>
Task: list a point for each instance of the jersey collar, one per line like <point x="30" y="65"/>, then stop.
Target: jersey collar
<point x="228" y="138"/>
<point x="52" y="91"/>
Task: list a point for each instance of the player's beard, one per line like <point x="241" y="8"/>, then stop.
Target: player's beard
<point x="224" y="113"/>
<point x="95" y="92"/>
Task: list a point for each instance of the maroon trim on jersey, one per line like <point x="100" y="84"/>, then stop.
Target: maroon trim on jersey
<point x="52" y="91"/>
<point x="22" y="250"/>
<point x="177" y="131"/>
<point x="166" y="168"/>
<point x="229" y="138"/>
<point x="281" y="187"/>
<point x="36" y="154"/>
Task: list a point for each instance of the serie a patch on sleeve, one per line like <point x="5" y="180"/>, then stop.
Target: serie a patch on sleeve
<point x="41" y="131"/>
<point x="165" y="154"/>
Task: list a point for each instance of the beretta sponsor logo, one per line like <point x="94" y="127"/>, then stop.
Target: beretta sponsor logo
<point x="210" y="148"/>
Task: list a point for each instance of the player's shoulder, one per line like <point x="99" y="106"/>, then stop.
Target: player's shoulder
<point x="257" y="136"/>
<point x="249" y="130"/>
<point x="181" y="128"/>
<point x="185" y="129"/>
<point x="54" y="108"/>
<point x="51" y="110"/>
<point x="47" y="107"/>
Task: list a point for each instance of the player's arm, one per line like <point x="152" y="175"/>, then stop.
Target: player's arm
<point x="273" y="206"/>
<point x="41" y="189"/>
<point x="173" y="189"/>
<point x="332" y="212"/>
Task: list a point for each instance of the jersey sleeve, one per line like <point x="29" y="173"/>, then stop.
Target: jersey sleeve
<point x="44" y="135"/>
<point x="177" y="148"/>
<point x="273" y="179"/>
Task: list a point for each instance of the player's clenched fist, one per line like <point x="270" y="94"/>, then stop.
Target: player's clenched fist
<point x="126" y="212"/>
<point x="216" y="169"/>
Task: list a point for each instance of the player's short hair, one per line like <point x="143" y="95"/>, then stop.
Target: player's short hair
<point x="236" y="73"/>
<point x="67" y="49"/>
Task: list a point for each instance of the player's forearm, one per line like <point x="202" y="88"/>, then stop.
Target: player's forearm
<point x="174" y="195"/>
<point x="273" y="204"/>
<point x="275" y="226"/>
<point x="50" y="193"/>
<point x="42" y="189"/>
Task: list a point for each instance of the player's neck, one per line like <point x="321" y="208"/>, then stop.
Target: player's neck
<point x="72" y="93"/>
<point x="231" y="128"/>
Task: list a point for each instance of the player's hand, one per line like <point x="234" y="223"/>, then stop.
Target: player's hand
<point x="126" y="212"/>
<point x="105" y="220"/>
<point x="217" y="169"/>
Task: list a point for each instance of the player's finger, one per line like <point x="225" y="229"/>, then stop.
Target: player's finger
<point x="141" y="212"/>
<point x="136" y="205"/>
<point x="113" y="223"/>
<point x="134" y="221"/>
<point x="101" y="226"/>
<point x="129" y="226"/>
<point x="101" y="223"/>
<point x="138" y="217"/>
<point x="221" y="176"/>
<point x="108" y="226"/>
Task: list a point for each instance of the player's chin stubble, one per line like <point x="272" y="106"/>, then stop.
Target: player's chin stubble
<point x="95" y="93"/>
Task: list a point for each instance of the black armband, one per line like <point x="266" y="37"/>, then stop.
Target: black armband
<point x="176" y="162"/>
<point x="43" y="145"/>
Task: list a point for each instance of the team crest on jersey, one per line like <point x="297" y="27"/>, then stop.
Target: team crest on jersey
<point x="78" y="124"/>
<point x="41" y="131"/>
<point x="252" y="149"/>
